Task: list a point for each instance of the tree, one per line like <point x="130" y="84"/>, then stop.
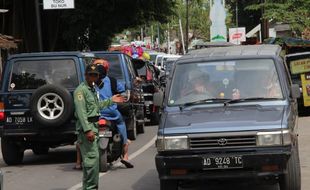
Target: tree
<point x="294" y="12"/>
<point x="92" y="23"/>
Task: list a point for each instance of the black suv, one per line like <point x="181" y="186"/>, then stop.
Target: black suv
<point x="229" y="113"/>
<point x="36" y="102"/>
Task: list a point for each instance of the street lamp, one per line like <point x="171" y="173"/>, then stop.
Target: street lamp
<point x="4" y="10"/>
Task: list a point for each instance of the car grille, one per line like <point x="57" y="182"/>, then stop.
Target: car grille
<point x="222" y="142"/>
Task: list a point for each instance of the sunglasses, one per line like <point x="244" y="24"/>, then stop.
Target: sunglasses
<point x="93" y="74"/>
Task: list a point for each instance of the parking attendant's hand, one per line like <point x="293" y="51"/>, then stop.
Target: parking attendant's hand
<point x="90" y="135"/>
<point x="118" y="98"/>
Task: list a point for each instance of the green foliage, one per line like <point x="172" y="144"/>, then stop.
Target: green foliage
<point x="294" y="12"/>
<point x="93" y="23"/>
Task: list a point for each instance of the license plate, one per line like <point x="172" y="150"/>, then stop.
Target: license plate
<point x="228" y="162"/>
<point x="105" y="133"/>
<point x="19" y="120"/>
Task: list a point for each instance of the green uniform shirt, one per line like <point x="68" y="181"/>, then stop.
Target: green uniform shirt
<point x="87" y="105"/>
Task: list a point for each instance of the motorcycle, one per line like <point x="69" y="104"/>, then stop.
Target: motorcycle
<point x="110" y="140"/>
<point x="110" y="144"/>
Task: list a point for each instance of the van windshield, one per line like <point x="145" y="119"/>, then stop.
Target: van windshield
<point x="237" y="79"/>
<point x="36" y="73"/>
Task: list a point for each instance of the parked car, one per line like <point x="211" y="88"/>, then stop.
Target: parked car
<point x="229" y="113"/>
<point x="168" y="59"/>
<point x="36" y="102"/>
<point x="149" y="73"/>
<point x="304" y="59"/>
<point x="122" y="69"/>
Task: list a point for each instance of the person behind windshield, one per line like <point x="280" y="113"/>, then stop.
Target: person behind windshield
<point x="270" y="87"/>
<point x="112" y="86"/>
<point x="198" y="84"/>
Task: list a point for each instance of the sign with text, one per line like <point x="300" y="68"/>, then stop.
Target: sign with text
<point x="237" y="35"/>
<point x="300" y="66"/>
<point x="305" y="81"/>
<point x="58" y="4"/>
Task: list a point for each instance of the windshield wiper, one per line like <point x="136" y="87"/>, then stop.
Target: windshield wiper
<point x="234" y="101"/>
<point x="209" y="100"/>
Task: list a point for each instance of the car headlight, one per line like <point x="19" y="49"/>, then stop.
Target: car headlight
<point x="273" y="138"/>
<point x="172" y="143"/>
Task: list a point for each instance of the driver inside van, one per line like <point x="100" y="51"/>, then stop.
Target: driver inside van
<point x="198" y="84"/>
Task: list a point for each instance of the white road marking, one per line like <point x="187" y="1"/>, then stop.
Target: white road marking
<point x="132" y="156"/>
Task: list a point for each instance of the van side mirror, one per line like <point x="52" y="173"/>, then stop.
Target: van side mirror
<point x="295" y="91"/>
<point x="158" y="98"/>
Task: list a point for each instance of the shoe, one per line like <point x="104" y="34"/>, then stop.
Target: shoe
<point x="127" y="164"/>
<point x="77" y="167"/>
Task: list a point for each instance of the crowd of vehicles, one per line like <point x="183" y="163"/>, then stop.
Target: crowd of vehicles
<point x="214" y="123"/>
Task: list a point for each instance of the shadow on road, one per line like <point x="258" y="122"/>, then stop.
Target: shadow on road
<point x="55" y="156"/>
<point x="148" y="182"/>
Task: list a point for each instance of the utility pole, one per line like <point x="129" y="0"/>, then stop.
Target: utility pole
<point x="237" y="16"/>
<point x="158" y="37"/>
<point x="187" y="25"/>
<point x="39" y="29"/>
<point x="264" y="23"/>
<point x="182" y="36"/>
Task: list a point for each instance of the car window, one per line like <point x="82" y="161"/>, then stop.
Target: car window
<point x="115" y="65"/>
<point x="130" y="67"/>
<point x="229" y="79"/>
<point x="33" y="74"/>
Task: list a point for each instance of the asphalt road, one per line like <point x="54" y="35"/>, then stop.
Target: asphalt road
<point x="54" y="171"/>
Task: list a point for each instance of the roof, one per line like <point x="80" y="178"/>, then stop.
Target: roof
<point x="235" y="51"/>
<point x="50" y="54"/>
<point x="298" y="54"/>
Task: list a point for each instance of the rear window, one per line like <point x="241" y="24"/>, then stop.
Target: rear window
<point x="34" y="74"/>
<point x="115" y="66"/>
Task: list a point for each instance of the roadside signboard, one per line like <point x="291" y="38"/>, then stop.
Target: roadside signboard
<point x="58" y="4"/>
<point x="300" y="66"/>
<point x="237" y="35"/>
<point x="305" y="81"/>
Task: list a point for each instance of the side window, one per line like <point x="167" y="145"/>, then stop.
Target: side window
<point x="115" y="65"/>
<point x="33" y="74"/>
<point x="130" y="66"/>
<point x="287" y="73"/>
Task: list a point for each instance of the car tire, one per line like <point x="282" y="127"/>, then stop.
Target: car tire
<point x="140" y="128"/>
<point x="132" y="126"/>
<point x="103" y="160"/>
<point x="56" y="100"/>
<point x="154" y="119"/>
<point x="12" y="153"/>
<point x="169" y="184"/>
<point x="40" y="150"/>
<point x="292" y="179"/>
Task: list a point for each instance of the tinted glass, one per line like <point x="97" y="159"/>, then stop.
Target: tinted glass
<point x="33" y="74"/>
<point x="230" y="80"/>
<point x="115" y="65"/>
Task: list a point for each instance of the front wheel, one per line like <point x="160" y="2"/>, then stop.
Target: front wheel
<point x="169" y="185"/>
<point x="12" y="153"/>
<point x="132" y="128"/>
<point x="103" y="161"/>
<point x="292" y="179"/>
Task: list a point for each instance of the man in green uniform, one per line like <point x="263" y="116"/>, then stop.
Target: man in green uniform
<point x="87" y="108"/>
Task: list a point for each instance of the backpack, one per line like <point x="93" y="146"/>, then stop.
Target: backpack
<point x="113" y="82"/>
